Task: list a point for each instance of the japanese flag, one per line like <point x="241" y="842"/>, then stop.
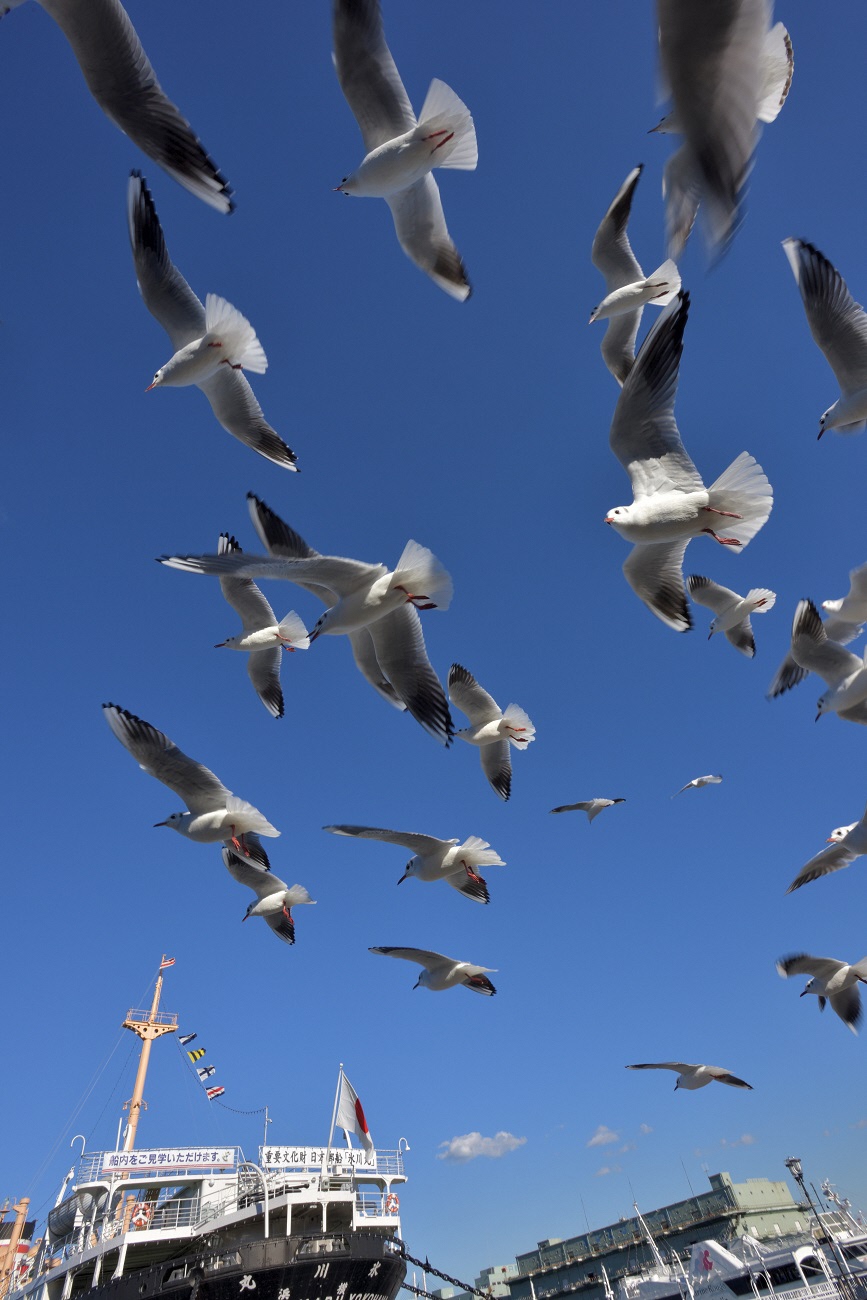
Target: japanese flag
<point x="350" y="1114"/>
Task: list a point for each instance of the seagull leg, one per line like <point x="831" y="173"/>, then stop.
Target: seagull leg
<point x="723" y="541"/>
<point x="472" y="875"/>
<point x="226" y="362"/>
<point x="412" y="599"/>
<point x="727" y="514"/>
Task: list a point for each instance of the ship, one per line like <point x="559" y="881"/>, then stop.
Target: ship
<point x="301" y="1222"/>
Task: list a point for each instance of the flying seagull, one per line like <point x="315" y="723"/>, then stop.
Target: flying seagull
<point x="845" y="621"/>
<point x="171" y="301"/>
<point x="671" y="504"/>
<point x="436" y="859"/>
<point x="592" y="807"/>
<point x="696" y="783"/>
<point x="493" y="728"/>
<point x="847" y="843"/>
<point x="844" y="673"/>
<point x="695" y="1076"/>
<point x="832" y="980"/>
<point x="120" y="78"/>
<point x="274" y="898"/>
<point x="732" y="611"/>
<point x="401" y="152"/>
<point x="215" y="814"/>
<point x="441" y="972"/>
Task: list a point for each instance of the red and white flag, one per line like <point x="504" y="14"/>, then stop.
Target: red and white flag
<point x="213" y="1093"/>
<point x="166" y="962"/>
<point x="350" y="1114"/>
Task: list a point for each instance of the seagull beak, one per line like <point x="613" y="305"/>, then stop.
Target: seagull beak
<point x="403" y="877"/>
<point x="156" y="824"/>
<point x="817" y="717"/>
<point x="830" y="840"/>
<point x="709" y="636"/>
<point x="154" y="384"/>
<point x="418" y="985"/>
<point x="219" y="645"/>
<point x="608" y="520"/>
<point x="244" y="917"/>
<point x="314" y="636"/>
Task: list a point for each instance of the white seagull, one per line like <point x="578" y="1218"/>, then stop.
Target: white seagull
<point x="696" y="784"/>
<point x="715" y="69"/>
<point x="171" y="301"/>
<point x="847" y="843"/>
<point x="845" y="621"/>
<point x="121" y="79"/>
<point x="732" y="611"/>
<point x="628" y="287"/>
<point x="376" y="609"/>
<point x="262" y="638"/>
<point x="401" y="151"/>
<point x="215" y="814"/>
<point x="592" y="807"/>
<point x="492" y="728"/>
<point x="832" y="980"/>
<point x="671" y="504"/>
<point x="436" y="859"/>
<point x="274" y="898"/>
<point x="844" y="673"/>
<point x="441" y="972"/>
<point x="839" y="327"/>
<point x="695" y="1076"/>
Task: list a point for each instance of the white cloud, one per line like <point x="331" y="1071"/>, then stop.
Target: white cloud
<point x="470" y="1145"/>
<point x="607" y="1169"/>
<point x="603" y="1137"/>
<point x="861" y="1123"/>
<point x="745" y="1140"/>
<point x="644" y="1129"/>
<point x="627" y="1146"/>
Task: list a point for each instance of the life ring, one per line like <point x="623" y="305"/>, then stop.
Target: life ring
<point x="142" y="1215"/>
<point x="392" y="1204"/>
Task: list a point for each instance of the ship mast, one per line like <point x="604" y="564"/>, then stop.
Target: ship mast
<point x="147" y="1026"/>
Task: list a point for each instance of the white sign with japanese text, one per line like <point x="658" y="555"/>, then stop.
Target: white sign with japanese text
<point x="169" y="1158"/>
<point x="289" y="1157"/>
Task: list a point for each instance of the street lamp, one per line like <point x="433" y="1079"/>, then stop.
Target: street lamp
<point x="795" y="1168"/>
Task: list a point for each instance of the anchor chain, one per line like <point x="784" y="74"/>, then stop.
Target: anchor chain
<point x="426" y="1265"/>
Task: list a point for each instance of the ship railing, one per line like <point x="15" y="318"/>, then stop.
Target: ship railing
<point x="372" y="1205"/>
<point x="94" y="1167"/>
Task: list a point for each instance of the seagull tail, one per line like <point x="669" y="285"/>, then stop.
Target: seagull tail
<point x="666" y="279"/>
<point x="293" y="630"/>
<point x="762" y="599"/>
<point x="420" y="573"/>
<point x="521" y="730"/>
<point x="743" y="489"/>
<point x="236" y="336"/>
<point x="253" y="819"/>
<point x="443" y="114"/>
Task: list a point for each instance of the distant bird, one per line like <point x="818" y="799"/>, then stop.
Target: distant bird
<point x="732" y="611"/>
<point x="845" y="621"/>
<point x="628" y="287"/>
<point x="262" y="637"/>
<point x="492" y="728"/>
<point x="832" y="980"/>
<point x="714" y="65"/>
<point x="215" y="814"/>
<point x="671" y="504"/>
<point x="844" y="673"/>
<point x="592" y="807"/>
<point x="365" y="601"/>
<point x="847" y="844"/>
<point x="402" y="152"/>
<point x="695" y="1076"/>
<point x="441" y="972"/>
<point x="435" y="859"/>
<point x="696" y="784"/>
<point x="839" y="327"/>
<point x="120" y="78"/>
<point x="193" y="329"/>
<point x="275" y="898"/>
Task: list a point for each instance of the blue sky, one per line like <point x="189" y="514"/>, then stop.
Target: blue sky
<point x="480" y="430"/>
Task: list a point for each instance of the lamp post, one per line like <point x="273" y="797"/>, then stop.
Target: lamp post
<point x="793" y="1164"/>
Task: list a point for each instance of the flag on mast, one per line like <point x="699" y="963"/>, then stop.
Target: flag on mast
<point x="350" y="1114"/>
<point x="186" y="1038"/>
<point x="196" y="1054"/>
<point x="166" y="962"/>
<point x="213" y="1093"/>
<point x="205" y="1071"/>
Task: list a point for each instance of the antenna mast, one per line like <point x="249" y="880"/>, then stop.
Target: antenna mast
<point x="147" y="1026"/>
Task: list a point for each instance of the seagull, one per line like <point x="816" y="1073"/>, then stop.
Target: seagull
<point x="275" y="898"/>
<point x="847" y="844"/>
<point x="215" y="814"/>
<point x="696" y="783"/>
<point x="120" y="78"/>
<point x="628" y="287"/>
<point x="435" y="859"/>
<point x="390" y="650"/>
<point x="400" y="150"/>
<point x="845" y="621"/>
<point x="441" y="972"/>
<point x="671" y="503"/>
<point x="492" y="727"/>
<point x="844" y="673"/>
<point x="695" y="1076"/>
<point x="732" y="611"/>
<point x="715" y="68"/>
<point x="171" y="301"/>
<point x="778" y="67"/>
<point x="262" y="637"/>
<point x="592" y="807"/>
<point x="839" y="327"/>
<point x="832" y="980"/>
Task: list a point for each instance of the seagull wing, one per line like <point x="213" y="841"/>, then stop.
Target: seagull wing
<point x="420" y="225"/>
<point x="665" y="1065"/>
<point x="120" y="78"/>
<point x="423" y="845"/>
<point x="263" y="669"/>
<point x="801" y="963"/>
<point x="838" y="323"/>
<point x="471" y="698"/>
<point x="430" y="960"/>
<point x="367" y="73"/>
<point x="200" y="790"/>
<point x="242" y="593"/>
<point x="473" y="887"/>
<point x="234" y="404"/>
<point x="847" y="1004"/>
<point x="262" y="881"/>
<point x="612" y="253"/>
<point x="788" y="674"/>
<point x="398" y="643"/>
<point x="166" y="294"/>
<point x="655" y="574"/>
<point x="724" y="1076"/>
<point x="644" y="435"/>
<point x="497" y="766"/>
<point x="364" y="653"/>
<point x="832" y="858"/>
<point x="706" y="592"/>
<point x="741" y="636"/>
<point x="812" y="649"/>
